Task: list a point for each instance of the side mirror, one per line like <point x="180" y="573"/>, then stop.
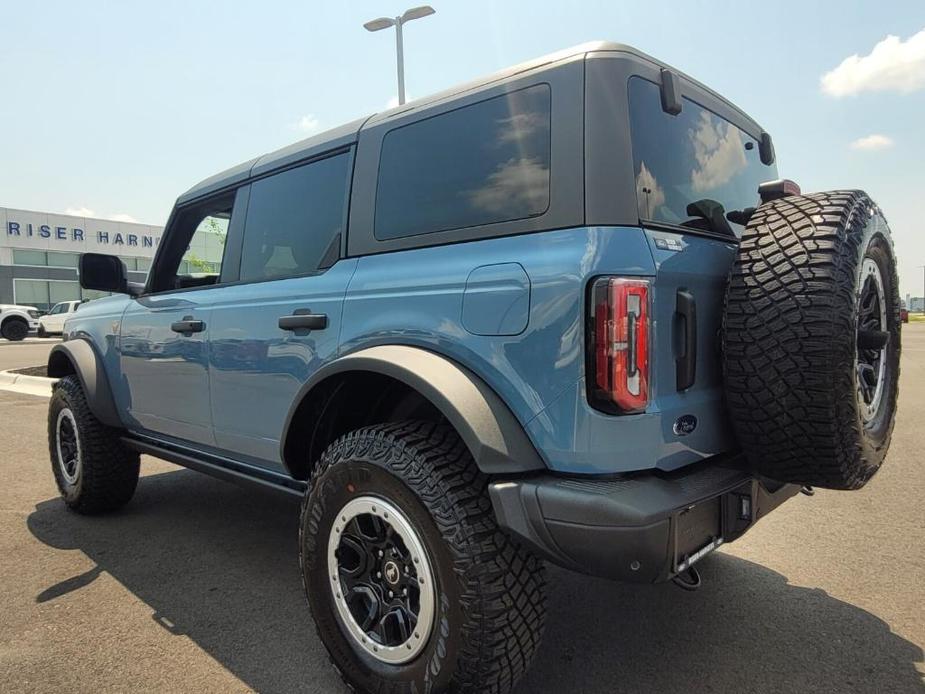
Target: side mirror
<point x="105" y="273"/>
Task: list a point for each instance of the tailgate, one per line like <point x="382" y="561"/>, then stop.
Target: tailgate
<point x="687" y="308"/>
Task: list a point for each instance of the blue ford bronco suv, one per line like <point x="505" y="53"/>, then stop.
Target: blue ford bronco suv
<point x="567" y="313"/>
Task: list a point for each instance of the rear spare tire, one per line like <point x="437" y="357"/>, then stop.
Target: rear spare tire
<point x="811" y="339"/>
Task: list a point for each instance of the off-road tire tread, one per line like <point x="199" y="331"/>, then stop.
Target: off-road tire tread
<point x="109" y="470"/>
<point x="503" y="585"/>
<point x="789" y="339"/>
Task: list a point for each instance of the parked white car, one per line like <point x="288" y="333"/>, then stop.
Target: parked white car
<point x="52" y="323"/>
<point x="16" y="321"/>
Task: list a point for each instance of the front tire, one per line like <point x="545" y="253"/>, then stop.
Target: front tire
<point x="94" y="471"/>
<point x="412" y="585"/>
<point x="14" y="329"/>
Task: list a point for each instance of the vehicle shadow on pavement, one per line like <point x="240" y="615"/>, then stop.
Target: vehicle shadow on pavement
<point x="218" y="564"/>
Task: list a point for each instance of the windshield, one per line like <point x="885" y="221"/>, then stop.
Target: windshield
<point x="695" y="169"/>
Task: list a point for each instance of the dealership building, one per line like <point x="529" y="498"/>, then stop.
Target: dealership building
<point x="39" y="252"/>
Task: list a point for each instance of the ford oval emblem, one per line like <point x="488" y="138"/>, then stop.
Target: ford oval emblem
<point x="684" y="425"/>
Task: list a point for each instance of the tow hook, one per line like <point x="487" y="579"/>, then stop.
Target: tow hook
<point x="689" y="579"/>
<point x="807" y="490"/>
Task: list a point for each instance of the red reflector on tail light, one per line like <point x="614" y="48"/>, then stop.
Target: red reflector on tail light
<point x="620" y="343"/>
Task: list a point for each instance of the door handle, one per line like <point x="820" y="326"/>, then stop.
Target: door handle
<point x="686" y="364"/>
<point x="303" y="319"/>
<point x="188" y="326"/>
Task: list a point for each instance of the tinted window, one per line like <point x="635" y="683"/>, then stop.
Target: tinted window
<point x="293" y="218"/>
<point x="480" y="164"/>
<point x="691" y="166"/>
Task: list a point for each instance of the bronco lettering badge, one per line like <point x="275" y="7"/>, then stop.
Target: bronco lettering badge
<point x="684" y="425"/>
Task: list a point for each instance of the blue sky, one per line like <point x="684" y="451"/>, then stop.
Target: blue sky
<point x="117" y="107"/>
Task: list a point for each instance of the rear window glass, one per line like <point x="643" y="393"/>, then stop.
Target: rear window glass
<point x="479" y="164"/>
<point x="693" y="169"/>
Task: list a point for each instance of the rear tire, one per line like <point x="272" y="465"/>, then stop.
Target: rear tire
<point x="812" y="340"/>
<point x="14" y="329"/>
<point x="94" y="471"/>
<point x="488" y="593"/>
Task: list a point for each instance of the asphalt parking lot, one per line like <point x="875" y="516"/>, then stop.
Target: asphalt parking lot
<point x="195" y="587"/>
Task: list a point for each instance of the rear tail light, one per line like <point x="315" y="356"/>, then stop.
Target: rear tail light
<point x="619" y="345"/>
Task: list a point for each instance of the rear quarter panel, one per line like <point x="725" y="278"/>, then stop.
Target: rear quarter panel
<point x="416" y="297"/>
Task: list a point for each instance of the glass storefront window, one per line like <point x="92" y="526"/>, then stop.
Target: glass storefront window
<point x="63" y="291"/>
<point x="56" y="259"/>
<point x="31" y="293"/>
<point x="24" y="257"/>
<point x="44" y="294"/>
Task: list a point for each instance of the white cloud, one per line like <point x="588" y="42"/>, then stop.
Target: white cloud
<point x="80" y="212"/>
<point x="309" y="124"/>
<point x="517" y="184"/>
<point x="122" y="217"/>
<point x="872" y="143"/>
<point x="893" y="65"/>
<point x="520" y="126"/>
<point x="719" y="151"/>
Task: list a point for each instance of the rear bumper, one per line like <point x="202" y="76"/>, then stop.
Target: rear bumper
<point x="644" y="527"/>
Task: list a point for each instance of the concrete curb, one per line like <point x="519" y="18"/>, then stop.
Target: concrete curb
<point x="29" y="385"/>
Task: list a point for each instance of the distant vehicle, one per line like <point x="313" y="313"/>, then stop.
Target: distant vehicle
<point x="52" y="323"/>
<point x="903" y="312"/>
<point x="568" y="312"/>
<point x="16" y="321"/>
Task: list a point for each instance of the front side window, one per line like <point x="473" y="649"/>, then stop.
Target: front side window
<point x="480" y="164"/>
<point x="204" y="255"/>
<point x="194" y="246"/>
<point x="294" y="218"/>
<point x="59" y="308"/>
<point x="695" y="169"/>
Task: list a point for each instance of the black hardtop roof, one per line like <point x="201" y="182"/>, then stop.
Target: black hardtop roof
<point x="347" y="134"/>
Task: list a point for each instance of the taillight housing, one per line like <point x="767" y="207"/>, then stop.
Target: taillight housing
<point x="618" y="345"/>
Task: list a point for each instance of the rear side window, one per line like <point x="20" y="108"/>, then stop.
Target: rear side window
<point x="293" y="219"/>
<point x="693" y="169"/>
<point x="480" y="164"/>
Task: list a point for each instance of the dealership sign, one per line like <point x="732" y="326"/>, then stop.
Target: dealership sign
<point x="49" y="232"/>
<point x="14" y="228"/>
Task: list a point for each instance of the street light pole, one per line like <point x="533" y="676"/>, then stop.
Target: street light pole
<point x="398" y="22"/>
<point x="400" y="52"/>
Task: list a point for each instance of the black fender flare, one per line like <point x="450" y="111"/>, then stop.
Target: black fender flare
<point x="487" y="426"/>
<point x="79" y="357"/>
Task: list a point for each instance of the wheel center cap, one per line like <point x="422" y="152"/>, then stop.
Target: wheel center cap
<point x="391" y="572"/>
